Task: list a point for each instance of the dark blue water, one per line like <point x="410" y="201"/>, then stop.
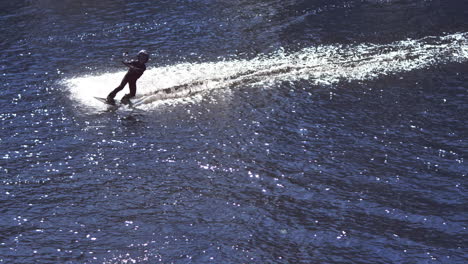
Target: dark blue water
<point x="270" y="132"/>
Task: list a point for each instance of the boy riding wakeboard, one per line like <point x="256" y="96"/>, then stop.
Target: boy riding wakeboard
<point x="135" y="70"/>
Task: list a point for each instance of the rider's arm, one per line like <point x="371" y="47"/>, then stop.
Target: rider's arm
<point x="129" y="64"/>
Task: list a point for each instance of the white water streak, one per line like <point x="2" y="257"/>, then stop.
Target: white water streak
<point x="321" y="65"/>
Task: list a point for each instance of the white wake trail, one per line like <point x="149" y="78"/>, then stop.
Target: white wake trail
<point x="321" y="65"/>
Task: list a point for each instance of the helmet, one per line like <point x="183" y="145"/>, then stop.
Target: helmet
<point x="143" y="55"/>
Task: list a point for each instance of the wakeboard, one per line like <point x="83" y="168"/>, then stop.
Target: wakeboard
<point x="133" y="102"/>
<point x="104" y="100"/>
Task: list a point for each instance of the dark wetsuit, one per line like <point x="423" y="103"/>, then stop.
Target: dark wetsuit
<point x="135" y="71"/>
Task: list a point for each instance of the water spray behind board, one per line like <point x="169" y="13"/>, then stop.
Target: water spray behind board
<point x="320" y="65"/>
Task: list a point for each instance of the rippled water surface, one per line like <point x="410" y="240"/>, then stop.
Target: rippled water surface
<point x="267" y="132"/>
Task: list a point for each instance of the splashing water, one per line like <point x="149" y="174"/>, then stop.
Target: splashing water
<point x="321" y="65"/>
